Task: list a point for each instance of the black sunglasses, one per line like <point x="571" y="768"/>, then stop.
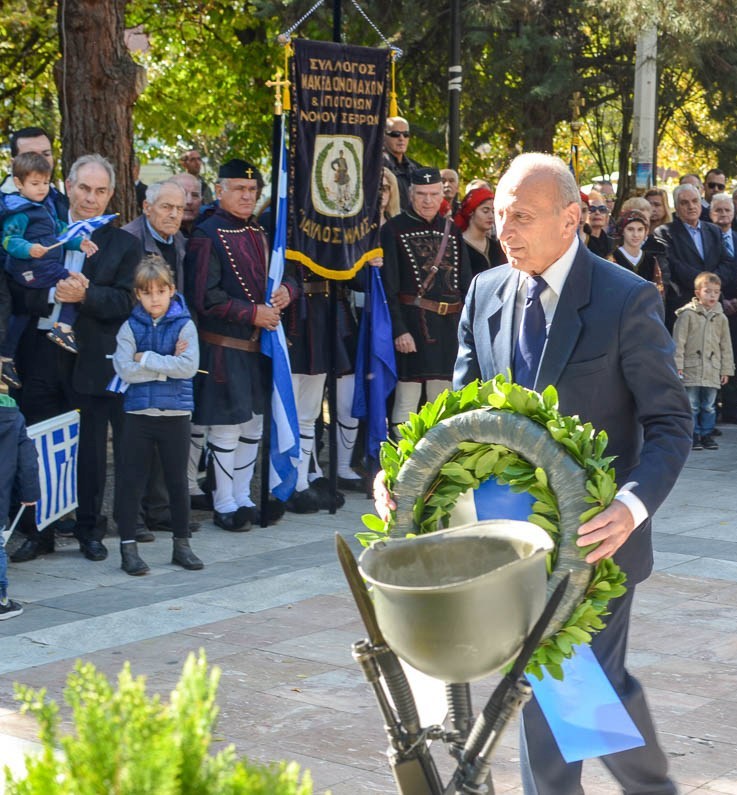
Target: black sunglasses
<point x="398" y="133"/>
<point x="715" y="186"/>
<point x="598" y="208"/>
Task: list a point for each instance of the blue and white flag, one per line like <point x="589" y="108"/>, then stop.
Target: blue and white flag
<point x="85" y="228"/>
<point x="56" y="441"/>
<point x="285" y="450"/>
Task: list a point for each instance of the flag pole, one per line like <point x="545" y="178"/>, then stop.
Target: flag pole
<point x="268" y="367"/>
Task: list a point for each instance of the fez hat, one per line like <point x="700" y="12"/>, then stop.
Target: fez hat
<point x="470" y="202"/>
<point x="425" y="176"/>
<point x="240" y="169"/>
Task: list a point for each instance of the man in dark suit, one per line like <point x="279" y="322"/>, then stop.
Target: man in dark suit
<point x="608" y="354"/>
<point x="722" y="214"/>
<point x="691" y="246"/>
<point x="54" y="380"/>
<point x="610" y="357"/>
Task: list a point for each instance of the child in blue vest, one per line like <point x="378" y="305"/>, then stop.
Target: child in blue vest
<point x="157" y="355"/>
<point x="35" y="258"/>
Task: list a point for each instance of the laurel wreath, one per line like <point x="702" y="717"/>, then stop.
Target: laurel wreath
<point x="475" y="462"/>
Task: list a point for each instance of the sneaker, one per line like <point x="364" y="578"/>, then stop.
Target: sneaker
<point x="709" y="443"/>
<point x="10" y="609"/>
<point x="9" y="375"/>
<point x="65" y="339"/>
<point x="697" y="445"/>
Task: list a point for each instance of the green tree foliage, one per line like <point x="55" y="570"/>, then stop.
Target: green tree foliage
<point x="126" y="742"/>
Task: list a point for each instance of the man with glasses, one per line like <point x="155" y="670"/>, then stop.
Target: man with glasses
<point x="714" y="182"/>
<point x="396" y="141"/>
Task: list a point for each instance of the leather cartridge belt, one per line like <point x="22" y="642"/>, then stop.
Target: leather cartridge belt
<point x="252" y="345"/>
<point x="315" y="288"/>
<point x="439" y="307"/>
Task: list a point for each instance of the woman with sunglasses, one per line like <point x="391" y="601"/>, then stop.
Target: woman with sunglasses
<point x="598" y="241"/>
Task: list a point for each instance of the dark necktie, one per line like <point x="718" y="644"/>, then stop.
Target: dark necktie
<point x="532" y="334"/>
<point x="728" y="243"/>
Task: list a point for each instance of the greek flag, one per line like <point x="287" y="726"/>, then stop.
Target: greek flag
<point x="285" y="452"/>
<point x="56" y="441"/>
<point x="85" y="228"/>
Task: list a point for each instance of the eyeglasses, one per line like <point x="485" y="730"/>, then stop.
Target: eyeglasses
<point x="715" y="186"/>
<point x="598" y="208"/>
<point x="398" y="133"/>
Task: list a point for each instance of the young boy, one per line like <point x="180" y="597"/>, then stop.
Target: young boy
<point x="19" y="476"/>
<point x="35" y="258"/>
<point x="704" y="355"/>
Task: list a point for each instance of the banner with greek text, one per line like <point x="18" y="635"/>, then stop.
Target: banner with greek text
<point x="339" y="109"/>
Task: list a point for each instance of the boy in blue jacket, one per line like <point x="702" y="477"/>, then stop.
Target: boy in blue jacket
<point x="19" y="476"/>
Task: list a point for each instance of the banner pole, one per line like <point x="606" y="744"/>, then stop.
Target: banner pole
<point x="333" y="353"/>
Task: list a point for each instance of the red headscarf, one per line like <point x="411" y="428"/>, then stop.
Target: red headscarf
<point x="470" y="202"/>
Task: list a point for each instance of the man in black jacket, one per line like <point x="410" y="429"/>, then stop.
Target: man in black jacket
<point x="55" y="381"/>
<point x="691" y="246"/>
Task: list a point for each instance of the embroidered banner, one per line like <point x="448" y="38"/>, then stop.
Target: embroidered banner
<point x="339" y="108"/>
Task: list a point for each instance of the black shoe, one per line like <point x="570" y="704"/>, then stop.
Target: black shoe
<point x="234" y="521"/>
<point x="274" y="511"/>
<point x="93" y="549"/>
<point x="708" y="443"/>
<point x="322" y="487"/>
<point x="307" y="501"/>
<point x="200" y="502"/>
<point x="716" y="432"/>
<point x="64" y="339"/>
<point x="144" y="536"/>
<point x="183" y="556"/>
<point x="697" y="445"/>
<point x="31" y="548"/>
<point x="352" y="484"/>
<point x="9" y="375"/>
<point x="131" y="562"/>
<point x="10" y="610"/>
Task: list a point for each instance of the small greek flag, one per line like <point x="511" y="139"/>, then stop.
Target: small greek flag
<point x="56" y="441"/>
<point x="85" y="228"/>
<point x="285" y="451"/>
<point x="117" y="385"/>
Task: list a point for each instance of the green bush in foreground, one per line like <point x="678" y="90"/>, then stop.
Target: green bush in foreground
<point x="127" y="743"/>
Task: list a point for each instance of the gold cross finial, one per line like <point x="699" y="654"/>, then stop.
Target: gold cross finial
<point x="280" y="85"/>
<point x="249" y="173"/>
<point x="576" y="103"/>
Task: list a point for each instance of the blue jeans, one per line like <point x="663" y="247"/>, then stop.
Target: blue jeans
<point x="702" y="400"/>
<point x="3" y="567"/>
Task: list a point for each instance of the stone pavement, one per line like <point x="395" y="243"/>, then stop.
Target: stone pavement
<point x="271" y="609"/>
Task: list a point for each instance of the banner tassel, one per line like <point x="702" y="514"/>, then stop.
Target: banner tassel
<point x="393" y="110"/>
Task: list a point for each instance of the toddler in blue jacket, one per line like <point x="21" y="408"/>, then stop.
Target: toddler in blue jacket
<point x="157" y="355"/>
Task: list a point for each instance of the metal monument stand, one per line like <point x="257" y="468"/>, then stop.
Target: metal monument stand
<point x="470" y="742"/>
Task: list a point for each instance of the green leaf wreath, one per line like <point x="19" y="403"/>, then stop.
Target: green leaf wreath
<point x="475" y="462"/>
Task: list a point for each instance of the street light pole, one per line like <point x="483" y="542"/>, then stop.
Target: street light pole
<point x="455" y="77"/>
<point x="644" y="123"/>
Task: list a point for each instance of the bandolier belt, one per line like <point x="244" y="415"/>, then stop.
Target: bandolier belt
<point x="252" y="345"/>
<point x="439" y="307"/>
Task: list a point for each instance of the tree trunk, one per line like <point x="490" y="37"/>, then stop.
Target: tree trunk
<point x="98" y="86"/>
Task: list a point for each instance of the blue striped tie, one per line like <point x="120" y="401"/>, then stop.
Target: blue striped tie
<point x="532" y="335"/>
<point x="728" y="243"/>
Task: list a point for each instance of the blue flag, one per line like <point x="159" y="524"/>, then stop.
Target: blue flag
<point x="285" y="451"/>
<point x="376" y="368"/>
<point x="85" y="228"/>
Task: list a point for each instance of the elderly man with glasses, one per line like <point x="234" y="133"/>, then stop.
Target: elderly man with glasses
<point x="396" y="141"/>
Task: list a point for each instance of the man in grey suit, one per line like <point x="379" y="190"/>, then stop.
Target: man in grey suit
<point x="608" y="354"/>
